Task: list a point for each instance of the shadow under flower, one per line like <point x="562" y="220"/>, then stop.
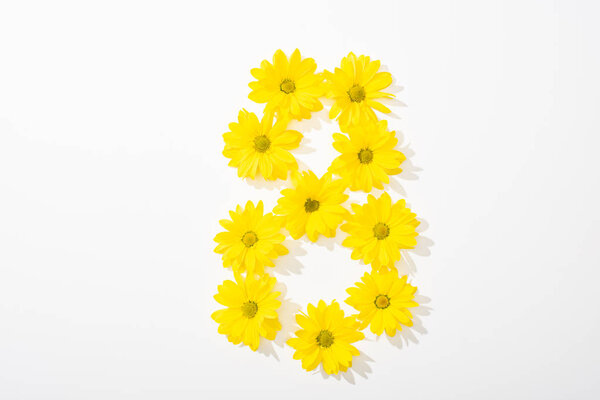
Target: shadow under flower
<point x="304" y="148"/>
<point x="261" y="183"/>
<point x="287" y="318"/>
<point x="360" y="367"/>
<point x="394" y="89"/>
<point x="286" y="313"/>
<point x="266" y="348"/>
<point x="409" y="170"/>
<point x="289" y="263"/>
<point x="409" y="334"/>
<point x="326" y="242"/>
<point x="315" y="123"/>
<point x="406" y="265"/>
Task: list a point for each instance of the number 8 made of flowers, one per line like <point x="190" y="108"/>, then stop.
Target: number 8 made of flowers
<point x="252" y="240"/>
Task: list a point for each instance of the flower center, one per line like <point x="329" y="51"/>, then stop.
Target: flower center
<point x="287" y="86"/>
<point x="356" y="93"/>
<point x="249" y="239"/>
<point x="381" y="231"/>
<point x="311" y="205"/>
<point x="382" y="301"/>
<point x="261" y="143"/>
<point x="365" y="156"/>
<point x="249" y="309"/>
<point x="325" y="338"/>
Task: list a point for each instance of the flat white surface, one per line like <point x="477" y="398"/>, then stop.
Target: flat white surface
<point x="112" y="183"/>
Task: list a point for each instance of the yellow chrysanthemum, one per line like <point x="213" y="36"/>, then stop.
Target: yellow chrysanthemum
<point x="313" y="206"/>
<point x="252" y="240"/>
<point x="325" y="337"/>
<point x="382" y="300"/>
<point x="251" y="309"/>
<point x="378" y="230"/>
<point x="368" y="155"/>
<point x="355" y="88"/>
<point x="260" y="147"/>
<point x="289" y="87"/>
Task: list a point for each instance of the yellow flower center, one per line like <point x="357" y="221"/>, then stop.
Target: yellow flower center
<point x="356" y="93"/>
<point x="365" y="156"/>
<point x="249" y="309"/>
<point x="325" y="338"/>
<point x="311" y="205"/>
<point x="249" y="239"/>
<point x="382" y="301"/>
<point x="287" y="86"/>
<point x="381" y="231"/>
<point x="261" y="143"/>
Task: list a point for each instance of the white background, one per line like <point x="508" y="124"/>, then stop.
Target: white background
<point x="112" y="184"/>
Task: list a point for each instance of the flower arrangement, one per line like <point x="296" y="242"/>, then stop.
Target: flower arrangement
<point x="291" y="88"/>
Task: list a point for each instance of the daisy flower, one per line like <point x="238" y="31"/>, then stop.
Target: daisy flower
<point x="251" y="310"/>
<point x="368" y="155"/>
<point x="251" y="240"/>
<point x="313" y="206"/>
<point x="259" y="147"/>
<point x="326" y="337"/>
<point x="378" y="230"/>
<point x="289" y="87"/>
<point x="355" y="87"/>
<point x="382" y="300"/>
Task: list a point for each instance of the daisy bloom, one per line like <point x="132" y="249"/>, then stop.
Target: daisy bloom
<point x="251" y="240"/>
<point x="355" y="87"/>
<point x="378" y="230"/>
<point x="326" y="337"/>
<point x="382" y="300"/>
<point x="290" y="87"/>
<point x="251" y="309"/>
<point x="313" y="206"/>
<point x="368" y="155"/>
<point x="259" y="147"/>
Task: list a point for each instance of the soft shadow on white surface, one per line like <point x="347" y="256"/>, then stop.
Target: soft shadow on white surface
<point x="302" y="166"/>
<point x="409" y="170"/>
<point x="266" y="348"/>
<point x="394" y="89"/>
<point x="261" y="183"/>
<point x="304" y="147"/>
<point x="289" y="264"/>
<point x="406" y="265"/>
<point x="315" y="123"/>
<point x="409" y="334"/>
<point x="360" y="367"/>
<point x="424" y="244"/>
<point x="396" y="186"/>
<point x="287" y="313"/>
<point x="328" y="243"/>
<point x="287" y="317"/>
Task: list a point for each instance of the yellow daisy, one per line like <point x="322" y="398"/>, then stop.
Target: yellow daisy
<point x="251" y="309"/>
<point x="368" y="155"/>
<point x="313" y="206"/>
<point x="289" y="87"/>
<point x="325" y="337"/>
<point x="382" y="300"/>
<point x="259" y="147"/>
<point x="251" y="240"/>
<point x="355" y="87"/>
<point x="378" y="230"/>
